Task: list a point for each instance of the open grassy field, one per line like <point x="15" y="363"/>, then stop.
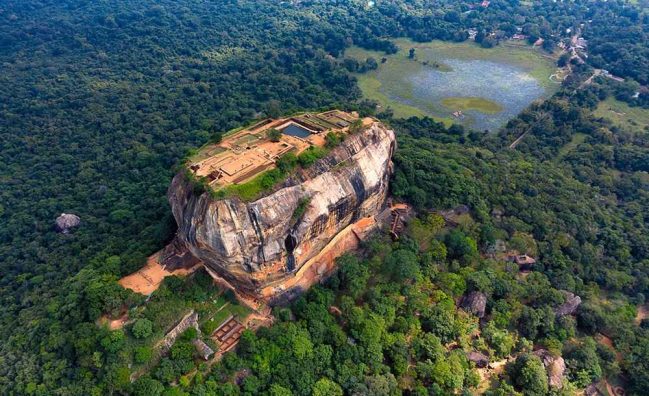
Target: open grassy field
<point x="577" y="139"/>
<point x="471" y="103"/>
<point x="371" y="88"/>
<point x="624" y="116"/>
<point x="443" y="77"/>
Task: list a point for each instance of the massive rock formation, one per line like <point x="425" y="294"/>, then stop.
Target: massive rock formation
<point x="267" y="247"/>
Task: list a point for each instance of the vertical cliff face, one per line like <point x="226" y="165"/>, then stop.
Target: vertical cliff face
<point x="262" y="245"/>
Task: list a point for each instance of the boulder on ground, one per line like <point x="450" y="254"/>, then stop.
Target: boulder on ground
<point x="475" y="303"/>
<point x="570" y="306"/>
<point x="591" y="390"/>
<point x="480" y="360"/>
<point x="66" y="221"/>
<point x="555" y="366"/>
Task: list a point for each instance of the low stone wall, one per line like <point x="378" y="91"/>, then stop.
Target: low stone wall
<point x="189" y="320"/>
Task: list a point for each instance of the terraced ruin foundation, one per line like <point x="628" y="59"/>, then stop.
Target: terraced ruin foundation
<point x="245" y="154"/>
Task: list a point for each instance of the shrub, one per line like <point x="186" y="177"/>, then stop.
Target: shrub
<point x="356" y="127"/>
<point x="209" y="327"/>
<point x="332" y="140"/>
<point x="310" y="156"/>
<point x="143" y="354"/>
<point x="300" y="208"/>
<point x="142" y="328"/>
<point x="189" y="334"/>
<point x="147" y="386"/>
<point x="528" y="374"/>
<point x="274" y="135"/>
<point x="287" y="162"/>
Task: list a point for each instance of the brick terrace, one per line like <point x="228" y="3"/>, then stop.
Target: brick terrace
<point x="246" y="153"/>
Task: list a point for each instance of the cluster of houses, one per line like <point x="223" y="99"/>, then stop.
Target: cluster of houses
<point x="576" y="45"/>
<point x="501" y="35"/>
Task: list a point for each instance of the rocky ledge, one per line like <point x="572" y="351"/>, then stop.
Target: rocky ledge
<point x="263" y="248"/>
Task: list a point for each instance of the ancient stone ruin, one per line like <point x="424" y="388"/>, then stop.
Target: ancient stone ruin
<point x="281" y="243"/>
<point x="203" y="349"/>
<point x="189" y="320"/>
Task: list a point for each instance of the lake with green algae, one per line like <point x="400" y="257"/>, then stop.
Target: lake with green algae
<point x="488" y="86"/>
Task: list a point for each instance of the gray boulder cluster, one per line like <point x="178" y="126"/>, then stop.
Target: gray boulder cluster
<point x="66" y="222"/>
<point x="570" y="306"/>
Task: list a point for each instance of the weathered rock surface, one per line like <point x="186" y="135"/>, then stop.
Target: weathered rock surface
<point x="570" y="306"/>
<point x="555" y="366"/>
<point x="260" y="244"/>
<point x="66" y="222"/>
<point x="475" y="303"/>
<point x="203" y="349"/>
<point x="481" y="360"/>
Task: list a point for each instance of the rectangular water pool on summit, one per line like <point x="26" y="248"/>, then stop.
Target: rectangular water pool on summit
<point x="297" y="131"/>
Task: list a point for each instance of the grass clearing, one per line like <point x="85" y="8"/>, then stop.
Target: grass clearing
<point x="472" y="103"/>
<point x="252" y="189"/>
<point x="634" y="119"/>
<point x="577" y="139"/>
<point x="371" y="88"/>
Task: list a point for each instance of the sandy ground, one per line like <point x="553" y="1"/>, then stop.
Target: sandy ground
<point x="259" y="319"/>
<point x="148" y="278"/>
<point x="489" y="373"/>
<point x="604" y="340"/>
<point x="643" y="313"/>
<point x="114" y="324"/>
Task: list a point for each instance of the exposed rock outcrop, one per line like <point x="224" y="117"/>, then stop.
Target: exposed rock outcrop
<point x="261" y="245"/>
<point x="475" y="303"/>
<point x="481" y="360"/>
<point x="555" y="367"/>
<point x="570" y="306"/>
<point x="591" y="390"/>
<point x="66" y="222"/>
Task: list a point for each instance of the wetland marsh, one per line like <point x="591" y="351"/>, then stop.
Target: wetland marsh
<point x="458" y="82"/>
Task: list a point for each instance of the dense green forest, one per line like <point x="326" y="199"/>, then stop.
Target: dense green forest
<point x="99" y="102"/>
